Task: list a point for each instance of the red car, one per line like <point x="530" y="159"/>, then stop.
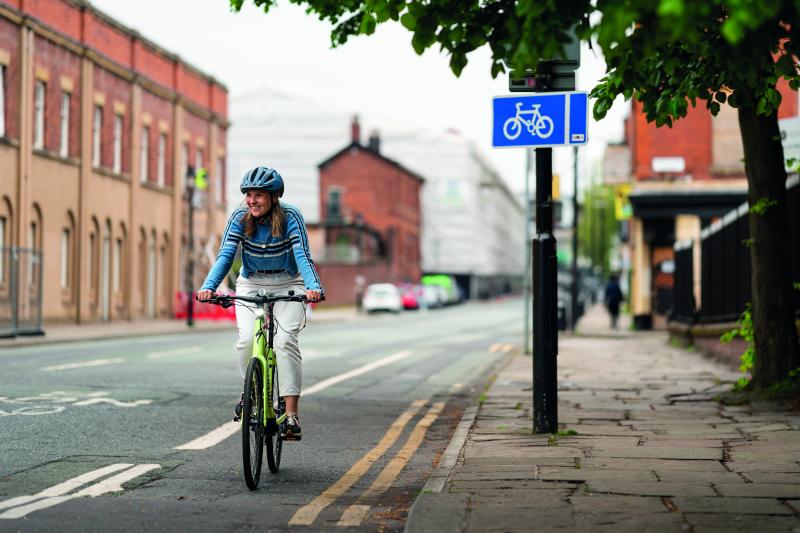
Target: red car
<point x="408" y="296"/>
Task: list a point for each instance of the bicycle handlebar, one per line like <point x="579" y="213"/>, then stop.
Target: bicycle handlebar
<point x="227" y="300"/>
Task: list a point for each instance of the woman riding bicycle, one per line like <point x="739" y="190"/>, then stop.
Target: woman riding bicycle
<point x="275" y="257"/>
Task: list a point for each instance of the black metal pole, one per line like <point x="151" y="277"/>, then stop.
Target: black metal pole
<point x="190" y="249"/>
<point x="575" y="212"/>
<point x="545" y="310"/>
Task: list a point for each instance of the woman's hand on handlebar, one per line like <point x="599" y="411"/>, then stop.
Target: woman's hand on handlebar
<point x="313" y="295"/>
<point x="205" y="294"/>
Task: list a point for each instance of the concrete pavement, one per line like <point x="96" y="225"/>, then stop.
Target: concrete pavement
<point x="643" y="447"/>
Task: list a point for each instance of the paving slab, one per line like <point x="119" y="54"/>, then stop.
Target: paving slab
<point x="651" y="450"/>
<point x="650" y="488"/>
<point x="759" y="490"/>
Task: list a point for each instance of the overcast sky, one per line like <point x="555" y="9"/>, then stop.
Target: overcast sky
<point x="378" y="76"/>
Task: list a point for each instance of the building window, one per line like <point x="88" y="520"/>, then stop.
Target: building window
<point x="219" y="182"/>
<point x="162" y="159"/>
<point x="63" y="150"/>
<point x="65" y="258"/>
<point x="199" y="156"/>
<point x="144" y="150"/>
<point x="334" y="204"/>
<point x="97" y="129"/>
<point x="38" y="117"/>
<point x="2" y="100"/>
<point x="115" y="269"/>
<point x="2" y="250"/>
<point x="92" y="254"/>
<point x="184" y="164"/>
<point x="117" y="167"/>
<point x="31" y="260"/>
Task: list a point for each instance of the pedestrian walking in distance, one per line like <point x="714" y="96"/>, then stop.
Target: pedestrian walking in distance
<point x="613" y="298"/>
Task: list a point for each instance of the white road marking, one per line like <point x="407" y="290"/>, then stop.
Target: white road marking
<point x="56" y="495"/>
<point x="65" y="487"/>
<point x="84" y="364"/>
<point x="213" y="438"/>
<point x="226" y="430"/>
<point x="174" y="353"/>
<point x="356" y="372"/>
<point x="112" y="401"/>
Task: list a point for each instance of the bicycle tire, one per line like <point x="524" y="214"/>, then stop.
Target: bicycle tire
<point x="253" y="425"/>
<point x="274" y="441"/>
<point x="512" y="128"/>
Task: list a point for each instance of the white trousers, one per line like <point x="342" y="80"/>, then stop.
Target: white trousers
<point x="290" y="319"/>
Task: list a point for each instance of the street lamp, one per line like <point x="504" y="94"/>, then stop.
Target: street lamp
<point x="190" y="186"/>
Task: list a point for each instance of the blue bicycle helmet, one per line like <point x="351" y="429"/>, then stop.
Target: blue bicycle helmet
<point x="262" y="179"/>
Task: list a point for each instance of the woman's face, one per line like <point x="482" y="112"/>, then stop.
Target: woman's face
<point x="258" y="202"/>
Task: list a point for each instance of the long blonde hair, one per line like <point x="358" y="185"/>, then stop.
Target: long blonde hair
<point x="276" y="215"/>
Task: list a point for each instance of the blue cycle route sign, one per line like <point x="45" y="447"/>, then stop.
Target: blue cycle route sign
<point x="540" y="120"/>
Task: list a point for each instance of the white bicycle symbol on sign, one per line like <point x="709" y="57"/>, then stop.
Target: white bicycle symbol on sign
<point x="538" y="126"/>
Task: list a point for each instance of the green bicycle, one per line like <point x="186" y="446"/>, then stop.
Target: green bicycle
<point x="263" y="410"/>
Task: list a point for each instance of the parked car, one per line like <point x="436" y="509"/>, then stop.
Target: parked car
<point x="409" y="298"/>
<point x="382" y="297"/>
<point x="433" y="296"/>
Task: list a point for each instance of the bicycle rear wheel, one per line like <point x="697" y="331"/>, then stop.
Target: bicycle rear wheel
<point x="274" y="442"/>
<point x="252" y="424"/>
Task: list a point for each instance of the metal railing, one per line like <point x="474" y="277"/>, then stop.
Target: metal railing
<point x="725" y="270"/>
<point x="21" y="291"/>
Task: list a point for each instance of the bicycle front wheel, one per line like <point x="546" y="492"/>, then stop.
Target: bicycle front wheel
<point x="253" y="424"/>
<point x="274" y="441"/>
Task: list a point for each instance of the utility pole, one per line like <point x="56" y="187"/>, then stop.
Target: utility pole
<point x="545" y="305"/>
<point x="526" y="282"/>
<point x="190" y="247"/>
<point x="575" y="280"/>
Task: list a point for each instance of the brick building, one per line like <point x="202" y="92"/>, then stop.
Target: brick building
<point x="683" y="178"/>
<point x="97" y="128"/>
<point x="370" y="219"/>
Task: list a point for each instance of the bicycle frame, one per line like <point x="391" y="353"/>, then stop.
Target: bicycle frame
<point x="263" y="350"/>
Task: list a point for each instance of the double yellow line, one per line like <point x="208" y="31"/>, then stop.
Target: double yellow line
<point x="354" y="514"/>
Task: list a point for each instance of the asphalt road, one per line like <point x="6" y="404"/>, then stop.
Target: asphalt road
<point x="128" y="434"/>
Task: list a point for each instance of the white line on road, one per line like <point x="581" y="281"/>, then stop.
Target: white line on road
<point x="112" y="401"/>
<point x="112" y="484"/>
<point x="356" y="372"/>
<point x="174" y="353"/>
<point x="63" y="488"/>
<point x="226" y="430"/>
<point x="84" y="364"/>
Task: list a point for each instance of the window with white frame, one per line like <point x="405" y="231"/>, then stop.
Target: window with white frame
<point x="162" y="159"/>
<point x="199" y="156"/>
<point x="117" y="167"/>
<point x="219" y="197"/>
<point x="144" y="152"/>
<point x="2" y="251"/>
<point x="65" y="258"/>
<point x="115" y="268"/>
<point x="63" y="149"/>
<point x="97" y="130"/>
<point x="38" y="115"/>
<point x="2" y="100"/>
<point x="92" y="255"/>
<point x="184" y="163"/>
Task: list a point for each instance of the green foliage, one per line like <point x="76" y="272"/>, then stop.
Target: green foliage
<point x="566" y="432"/>
<point x="552" y="439"/>
<point x="762" y="205"/>
<point x="744" y="330"/>
<point x="597" y="226"/>
<point x="668" y="54"/>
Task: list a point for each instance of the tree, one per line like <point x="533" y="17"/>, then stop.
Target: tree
<point x="667" y="54"/>
<point x="597" y="225"/>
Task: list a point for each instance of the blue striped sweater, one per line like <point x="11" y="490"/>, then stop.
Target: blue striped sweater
<point x="262" y="251"/>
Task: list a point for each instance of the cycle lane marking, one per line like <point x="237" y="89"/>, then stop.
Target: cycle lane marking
<point x="84" y="364"/>
<point x="354" y="514"/>
<point x="112" y="484"/>
<point x="308" y="513"/>
<point x="221" y="433"/>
